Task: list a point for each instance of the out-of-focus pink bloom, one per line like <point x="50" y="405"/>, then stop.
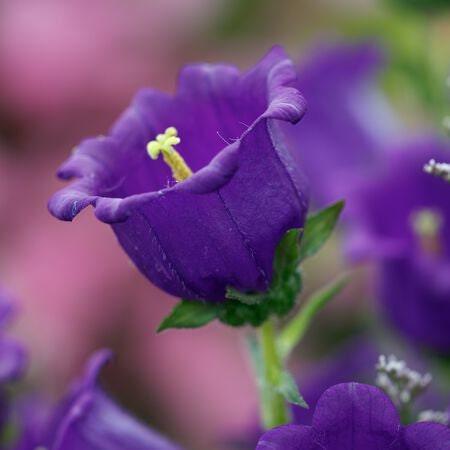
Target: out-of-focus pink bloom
<point x="63" y="54"/>
<point x="202" y="369"/>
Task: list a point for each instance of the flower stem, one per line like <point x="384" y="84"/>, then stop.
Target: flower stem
<point x="274" y="410"/>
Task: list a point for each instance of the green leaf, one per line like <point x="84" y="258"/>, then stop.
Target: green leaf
<point x="422" y="6"/>
<point x="294" y="331"/>
<point x="190" y="314"/>
<point x="287" y="254"/>
<point x="288" y="389"/>
<point x="318" y="229"/>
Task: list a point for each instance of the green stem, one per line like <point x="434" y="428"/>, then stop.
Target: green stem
<point x="274" y="410"/>
<point x="406" y="415"/>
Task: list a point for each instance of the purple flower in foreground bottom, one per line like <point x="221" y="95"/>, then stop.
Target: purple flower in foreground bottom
<point x="359" y="417"/>
<point x="88" y="420"/>
<point x="219" y="227"/>
<point x="401" y="219"/>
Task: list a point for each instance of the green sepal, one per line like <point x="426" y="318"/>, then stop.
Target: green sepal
<point x="288" y="388"/>
<point x="318" y="229"/>
<point x="190" y="314"/>
<point x="248" y="299"/>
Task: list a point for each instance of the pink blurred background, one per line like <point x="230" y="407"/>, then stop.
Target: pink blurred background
<point x="67" y="69"/>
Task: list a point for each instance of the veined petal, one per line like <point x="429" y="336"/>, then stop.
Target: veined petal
<point x="354" y="416"/>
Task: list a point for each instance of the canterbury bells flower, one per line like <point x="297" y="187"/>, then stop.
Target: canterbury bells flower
<point x="211" y="218"/>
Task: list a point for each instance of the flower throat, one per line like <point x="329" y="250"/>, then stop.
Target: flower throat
<point x="427" y="224"/>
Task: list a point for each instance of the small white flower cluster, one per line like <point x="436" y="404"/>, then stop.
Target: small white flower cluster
<point x="441" y="170"/>
<point x="434" y="416"/>
<point x="401" y="383"/>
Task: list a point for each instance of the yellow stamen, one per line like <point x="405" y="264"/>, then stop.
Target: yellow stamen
<point x="427" y="224"/>
<point x="164" y="143"/>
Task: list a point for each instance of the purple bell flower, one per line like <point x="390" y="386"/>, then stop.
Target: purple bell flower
<point x="401" y="218"/>
<point x="220" y="226"/>
<point x="356" y="416"/>
<point x="87" y="419"/>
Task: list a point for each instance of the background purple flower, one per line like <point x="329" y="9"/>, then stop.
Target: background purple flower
<point x="348" y="124"/>
<point x="413" y="280"/>
<point x="352" y="415"/>
<point x="220" y="227"/>
<point x="13" y="358"/>
<point x="88" y="419"/>
<point x="12" y="354"/>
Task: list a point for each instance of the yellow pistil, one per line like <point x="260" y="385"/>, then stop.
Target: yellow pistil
<point x="164" y="143"/>
<point x="427" y="224"/>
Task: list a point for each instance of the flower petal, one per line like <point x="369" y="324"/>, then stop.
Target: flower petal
<point x="424" y="283"/>
<point x="427" y="436"/>
<point x="13" y="360"/>
<point x="287" y="437"/>
<point x="347" y="124"/>
<point x="87" y="419"/>
<point x="94" y="422"/>
<point x="355" y="416"/>
<point x="213" y="106"/>
<point x="382" y="205"/>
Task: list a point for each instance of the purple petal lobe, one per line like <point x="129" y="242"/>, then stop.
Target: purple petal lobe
<point x="355" y="416"/>
<point x="13" y="360"/>
<point x="95" y="423"/>
<point x="88" y="420"/>
<point x="287" y="437"/>
<point x="426" y="436"/>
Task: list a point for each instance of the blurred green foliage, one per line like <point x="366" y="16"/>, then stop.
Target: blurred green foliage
<point x="422" y="5"/>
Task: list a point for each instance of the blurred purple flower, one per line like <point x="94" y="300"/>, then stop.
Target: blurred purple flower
<point x="414" y="269"/>
<point x="13" y="358"/>
<point x="219" y="227"/>
<point x="12" y="355"/>
<point x="87" y="419"/>
<point x="348" y="122"/>
<point x="360" y="416"/>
